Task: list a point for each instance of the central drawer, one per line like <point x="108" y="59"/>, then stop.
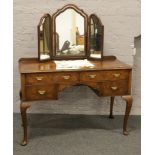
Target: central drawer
<point x="65" y="77"/>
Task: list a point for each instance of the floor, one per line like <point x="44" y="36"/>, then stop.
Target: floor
<point x="77" y="135"/>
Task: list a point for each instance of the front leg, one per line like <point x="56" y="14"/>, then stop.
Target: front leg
<point x="128" y="100"/>
<point x="23" y="109"/>
<point x="111" y="107"/>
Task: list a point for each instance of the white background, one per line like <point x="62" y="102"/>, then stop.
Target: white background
<point x="148" y="77"/>
<point x="6" y="77"/>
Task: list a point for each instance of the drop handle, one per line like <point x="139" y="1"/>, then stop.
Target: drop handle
<point x="66" y="77"/>
<point x="92" y="76"/>
<point x="114" y="88"/>
<point x="41" y="92"/>
<point x="39" y="78"/>
<point x="116" y="74"/>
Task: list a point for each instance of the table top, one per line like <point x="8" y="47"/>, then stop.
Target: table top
<point x="33" y="65"/>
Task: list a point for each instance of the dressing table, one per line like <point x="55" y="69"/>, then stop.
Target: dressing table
<point x="72" y="54"/>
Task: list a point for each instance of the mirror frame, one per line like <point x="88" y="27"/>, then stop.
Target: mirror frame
<point x="85" y="16"/>
<point x="102" y="39"/>
<point x="52" y="29"/>
<point x="38" y="28"/>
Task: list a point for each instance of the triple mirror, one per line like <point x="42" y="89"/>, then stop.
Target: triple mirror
<point x="70" y="34"/>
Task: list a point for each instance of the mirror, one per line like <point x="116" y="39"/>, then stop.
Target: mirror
<point x="96" y="38"/>
<point x="70" y="34"/>
<point x="70" y="37"/>
<point x="44" y="38"/>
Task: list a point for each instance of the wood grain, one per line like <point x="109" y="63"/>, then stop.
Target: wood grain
<point x="32" y="65"/>
<point x="44" y="80"/>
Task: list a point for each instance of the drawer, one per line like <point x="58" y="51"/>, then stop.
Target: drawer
<point x="114" y="88"/>
<point x="42" y="78"/>
<point x="115" y="75"/>
<point x="41" y="92"/>
<point x="66" y="77"/>
<point x="95" y="76"/>
<point x="104" y="75"/>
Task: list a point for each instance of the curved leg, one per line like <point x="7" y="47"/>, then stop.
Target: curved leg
<point x="23" y="109"/>
<point x="111" y="107"/>
<point x="128" y="100"/>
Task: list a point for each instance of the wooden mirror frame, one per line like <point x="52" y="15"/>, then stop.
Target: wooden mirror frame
<point x="38" y="28"/>
<point x="87" y="27"/>
<point x="85" y="16"/>
<point x="102" y="39"/>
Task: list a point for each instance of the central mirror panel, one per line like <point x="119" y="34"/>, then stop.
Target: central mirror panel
<point x="70" y="34"/>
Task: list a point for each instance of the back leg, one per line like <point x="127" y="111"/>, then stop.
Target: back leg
<point x="111" y="107"/>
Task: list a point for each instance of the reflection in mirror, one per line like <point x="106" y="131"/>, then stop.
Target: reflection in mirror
<point x="70" y="39"/>
<point x="96" y="37"/>
<point x="44" y="38"/>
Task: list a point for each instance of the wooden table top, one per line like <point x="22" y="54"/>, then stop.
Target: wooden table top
<point x="32" y="65"/>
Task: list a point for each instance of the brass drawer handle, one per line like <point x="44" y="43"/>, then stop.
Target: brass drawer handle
<point x="39" y="78"/>
<point x="92" y="76"/>
<point x="114" y="88"/>
<point x="66" y="77"/>
<point x="41" y="92"/>
<point x="116" y="75"/>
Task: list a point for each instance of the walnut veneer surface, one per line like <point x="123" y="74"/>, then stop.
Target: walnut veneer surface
<point x="44" y="80"/>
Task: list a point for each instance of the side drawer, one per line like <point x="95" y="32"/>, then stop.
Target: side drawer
<point x="41" y="92"/>
<point x="99" y="76"/>
<point x="38" y="78"/>
<point x="115" y="75"/>
<point x="114" y="88"/>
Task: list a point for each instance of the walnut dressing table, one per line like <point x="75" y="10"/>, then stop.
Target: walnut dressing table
<point x="64" y="61"/>
<point x="43" y="81"/>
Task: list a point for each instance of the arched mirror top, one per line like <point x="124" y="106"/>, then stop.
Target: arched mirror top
<point x="70" y="6"/>
<point x="96" y="19"/>
<point x="42" y="20"/>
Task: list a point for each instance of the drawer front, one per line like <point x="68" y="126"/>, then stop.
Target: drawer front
<point x="98" y="76"/>
<point x="43" y="78"/>
<point x="114" y="88"/>
<point x="91" y="76"/>
<point x="115" y="75"/>
<point x="66" y="77"/>
<point x="41" y="92"/>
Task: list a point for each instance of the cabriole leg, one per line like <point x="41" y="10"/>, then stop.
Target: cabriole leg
<point x="111" y="107"/>
<point x="128" y="100"/>
<point x="23" y="109"/>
